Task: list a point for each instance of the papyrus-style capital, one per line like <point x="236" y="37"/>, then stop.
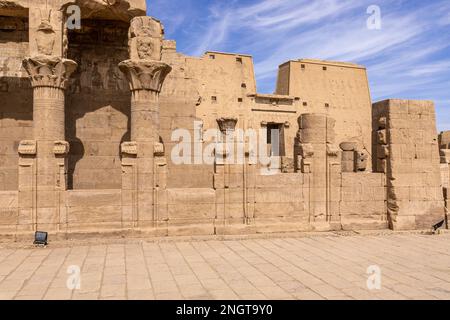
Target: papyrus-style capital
<point x="227" y="124"/>
<point x="49" y="71"/>
<point x="145" y="74"/>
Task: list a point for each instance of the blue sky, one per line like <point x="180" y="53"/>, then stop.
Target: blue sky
<point x="409" y="57"/>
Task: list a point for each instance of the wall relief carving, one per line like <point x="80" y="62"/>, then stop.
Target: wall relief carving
<point x="45" y="36"/>
<point x="98" y="51"/>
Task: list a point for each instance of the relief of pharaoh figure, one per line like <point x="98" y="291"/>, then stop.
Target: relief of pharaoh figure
<point x="114" y="78"/>
<point x="97" y="80"/>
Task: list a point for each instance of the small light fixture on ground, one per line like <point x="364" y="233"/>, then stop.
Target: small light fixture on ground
<point x="40" y="238"/>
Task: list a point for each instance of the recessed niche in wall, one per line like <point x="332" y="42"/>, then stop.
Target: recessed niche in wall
<point x="240" y="99"/>
<point x="239" y="60"/>
<point x="324" y="68"/>
<point x="214" y="99"/>
<point x="305" y="104"/>
<point x="243" y="85"/>
<point x="97" y="113"/>
<point x="211" y="56"/>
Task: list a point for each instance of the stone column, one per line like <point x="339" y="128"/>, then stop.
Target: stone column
<point x="228" y="177"/>
<point x="46" y="154"/>
<point x="143" y="157"/>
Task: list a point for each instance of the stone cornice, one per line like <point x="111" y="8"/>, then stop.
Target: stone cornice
<point x="49" y="71"/>
<point x="145" y="74"/>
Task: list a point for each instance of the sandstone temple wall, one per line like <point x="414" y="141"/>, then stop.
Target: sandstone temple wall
<point x="335" y="88"/>
<point x="408" y="153"/>
<point x="88" y="118"/>
<point x="363" y="201"/>
<point x="98" y="104"/>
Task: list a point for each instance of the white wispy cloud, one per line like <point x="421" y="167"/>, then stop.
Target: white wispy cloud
<point x="408" y="57"/>
<point x="216" y="34"/>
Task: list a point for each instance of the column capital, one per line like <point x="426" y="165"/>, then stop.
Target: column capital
<point x="145" y="74"/>
<point x="227" y="124"/>
<point x="49" y="71"/>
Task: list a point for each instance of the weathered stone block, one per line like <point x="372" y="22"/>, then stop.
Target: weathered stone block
<point x="281" y="180"/>
<point x="191" y="211"/>
<point x="93" y="198"/>
<point x="97" y="214"/>
<point x="273" y="195"/>
<point x="362" y="207"/>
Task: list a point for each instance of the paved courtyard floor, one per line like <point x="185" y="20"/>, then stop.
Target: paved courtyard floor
<point x="412" y="266"/>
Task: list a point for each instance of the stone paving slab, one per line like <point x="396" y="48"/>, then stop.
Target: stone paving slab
<point x="410" y="266"/>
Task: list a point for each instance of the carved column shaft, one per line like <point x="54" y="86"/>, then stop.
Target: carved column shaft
<point x="226" y="173"/>
<point x="145" y="116"/>
<point x="316" y="138"/>
<point x="48" y="114"/>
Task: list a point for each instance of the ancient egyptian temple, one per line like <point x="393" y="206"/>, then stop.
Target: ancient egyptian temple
<point x="90" y="117"/>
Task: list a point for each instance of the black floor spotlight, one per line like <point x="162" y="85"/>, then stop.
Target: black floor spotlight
<point x="40" y="238"/>
<point x="438" y="225"/>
